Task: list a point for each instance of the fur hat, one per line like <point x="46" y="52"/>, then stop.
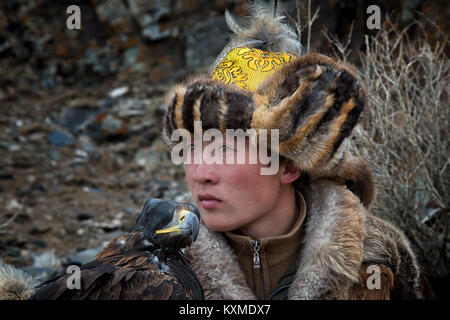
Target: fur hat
<point x="261" y="80"/>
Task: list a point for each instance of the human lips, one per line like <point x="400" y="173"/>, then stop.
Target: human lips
<point x="208" y="201"/>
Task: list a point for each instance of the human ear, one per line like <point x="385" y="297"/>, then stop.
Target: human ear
<point x="289" y="172"/>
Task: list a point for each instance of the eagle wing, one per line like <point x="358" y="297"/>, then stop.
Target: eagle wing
<point x="128" y="268"/>
<point x="103" y="281"/>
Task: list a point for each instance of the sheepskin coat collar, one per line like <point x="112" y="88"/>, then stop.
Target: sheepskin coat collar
<point x="340" y="237"/>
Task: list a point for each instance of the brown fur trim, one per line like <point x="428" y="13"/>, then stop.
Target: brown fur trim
<point x="332" y="252"/>
<point x="217" y="268"/>
<point x="360" y="291"/>
<point x="315" y="102"/>
<point x="355" y="173"/>
<point x="385" y="244"/>
<point x="214" y="103"/>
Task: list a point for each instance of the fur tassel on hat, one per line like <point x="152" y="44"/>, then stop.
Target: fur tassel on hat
<point x="266" y="31"/>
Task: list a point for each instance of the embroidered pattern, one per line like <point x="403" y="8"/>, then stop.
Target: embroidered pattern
<point x="248" y="67"/>
<point x="228" y="72"/>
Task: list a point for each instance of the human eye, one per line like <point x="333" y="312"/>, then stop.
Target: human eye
<point x="225" y="148"/>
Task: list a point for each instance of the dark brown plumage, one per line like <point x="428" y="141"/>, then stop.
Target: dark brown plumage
<point x="145" y="264"/>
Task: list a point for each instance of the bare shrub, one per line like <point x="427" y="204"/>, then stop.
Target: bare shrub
<point x="407" y="137"/>
<point x="305" y="26"/>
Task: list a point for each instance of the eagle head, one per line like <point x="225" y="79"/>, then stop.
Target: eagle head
<point x="168" y="224"/>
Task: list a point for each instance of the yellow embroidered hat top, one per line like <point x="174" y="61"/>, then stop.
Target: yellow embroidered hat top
<point x="248" y="67"/>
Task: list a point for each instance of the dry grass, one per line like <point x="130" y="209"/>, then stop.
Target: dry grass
<point x="407" y="136"/>
<point x="306" y="25"/>
<point x="406" y="131"/>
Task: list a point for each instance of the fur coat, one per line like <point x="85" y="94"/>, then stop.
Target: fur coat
<point x="342" y="246"/>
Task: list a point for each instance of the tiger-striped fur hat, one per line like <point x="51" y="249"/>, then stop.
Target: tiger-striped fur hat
<point x="261" y="80"/>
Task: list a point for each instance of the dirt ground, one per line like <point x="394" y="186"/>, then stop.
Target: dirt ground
<point x="86" y="188"/>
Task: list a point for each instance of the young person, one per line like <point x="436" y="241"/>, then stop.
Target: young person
<point x="305" y="231"/>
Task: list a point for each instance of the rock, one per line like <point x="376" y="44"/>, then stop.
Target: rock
<point x="86" y="144"/>
<point x="14" y="147"/>
<point x="33" y="128"/>
<point x="106" y="126"/>
<point x="151" y="158"/>
<point x="111" y="125"/>
<point x="22" y="159"/>
<point x="118" y="92"/>
<point x="114" y="14"/>
<point x="204" y="41"/>
<point x="84" y="216"/>
<point x="149" y="12"/>
<point x="84" y="256"/>
<point x="108" y="237"/>
<point x="14" y="259"/>
<point x="107" y="226"/>
<point x="150" y="16"/>
<point x="39" y="243"/>
<point x="106" y="103"/>
<point x="40" y="227"/>
<point x="156" y="187"/>
<point x="44" y="266"/>
<point x="184" y="197"/>
<point x="76" y="119"/>
<point x="132" y="107"/>
<point x="6" y="175"/>
<point x="47" y="260"/>
<point x="14" y="206"/>
<point x="36" y="136"/>
<point x="59" y="139"/>
<point x="81" y="154"/>
<point x="83" y="102"/>
<point x="54" y="155"/>
<point x="147" y="159"/>
<point x="24" y="191"/>
<point x="128" y="223"/>
<point x="157" y="32"/>
<point x="40" y="275"/>
<point x="103" y="60"/>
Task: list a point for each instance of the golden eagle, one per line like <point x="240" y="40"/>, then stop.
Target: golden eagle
<point x="148" y="263"/>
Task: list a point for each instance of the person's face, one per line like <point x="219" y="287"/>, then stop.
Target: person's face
<point x="232" y="196"/>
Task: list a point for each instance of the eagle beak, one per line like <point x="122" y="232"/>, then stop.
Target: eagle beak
<point x="187" y="224"/>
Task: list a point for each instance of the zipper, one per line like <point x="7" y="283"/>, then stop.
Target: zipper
<point x="257" y="265"/>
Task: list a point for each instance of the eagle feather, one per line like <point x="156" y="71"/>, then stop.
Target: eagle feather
<point x="129" y="267"/>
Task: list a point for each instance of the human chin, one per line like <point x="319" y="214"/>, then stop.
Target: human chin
<point x="217" y="221"/>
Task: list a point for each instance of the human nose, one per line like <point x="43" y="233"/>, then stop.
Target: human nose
<point x="205" y="174"/>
